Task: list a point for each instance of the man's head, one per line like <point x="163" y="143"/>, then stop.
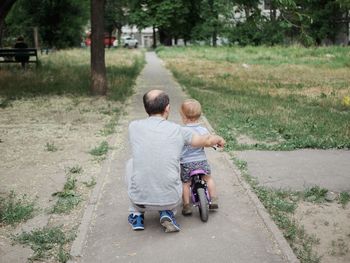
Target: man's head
<point x="156" y="102"/>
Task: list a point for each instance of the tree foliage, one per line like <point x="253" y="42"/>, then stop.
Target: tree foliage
<point x="287" y="21"/>
<point x="60" y="22"/>
<point x="244" y="22"/>
<point x="116" y="16"/>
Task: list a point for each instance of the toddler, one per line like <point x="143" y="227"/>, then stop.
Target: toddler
<point x="194" y="158"/>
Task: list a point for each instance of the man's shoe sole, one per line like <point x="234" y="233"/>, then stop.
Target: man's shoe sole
<point x="168" y="225"/>
<point x="137" y="228"/>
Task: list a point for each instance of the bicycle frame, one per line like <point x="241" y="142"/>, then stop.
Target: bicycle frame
<point x="197" y="182"/>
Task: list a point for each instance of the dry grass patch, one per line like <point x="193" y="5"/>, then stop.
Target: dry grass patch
<point x="48" y="126"/>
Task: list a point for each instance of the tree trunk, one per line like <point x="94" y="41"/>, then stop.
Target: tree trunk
<point x="154" y="38"/>
<point x="119" y="29"/>
<point x="247" y="13"/>
<point x="347" y="26"/>
<point x="215" y="30"/>
<point x="36" y="37"/>
<point x="215" y="38"/>
<point x="98" y="67"/>
<point x="1" y="32"/>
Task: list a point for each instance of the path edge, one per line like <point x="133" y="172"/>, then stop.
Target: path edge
<point x="282" y="243"/>
<point x="76" y="250"/>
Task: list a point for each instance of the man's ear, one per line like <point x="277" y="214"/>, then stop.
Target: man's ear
<point x="167" y="108"/>
<point x="166" y="112"/>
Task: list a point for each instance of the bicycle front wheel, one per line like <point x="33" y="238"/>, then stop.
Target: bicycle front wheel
<point x="203" y="205"/>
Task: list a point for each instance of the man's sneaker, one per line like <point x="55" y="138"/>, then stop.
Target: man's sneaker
<point x="136" y="221"/>
<point x="167" y="220"/>
<point x="214" y="203"/>
<point x="187" y="210"/>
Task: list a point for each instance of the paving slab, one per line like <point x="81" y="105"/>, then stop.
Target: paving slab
<point x="240" y="231"/>
<point x="300" y="169"/>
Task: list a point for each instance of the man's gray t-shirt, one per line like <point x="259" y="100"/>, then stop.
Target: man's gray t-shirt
<point x="156" y="146"/>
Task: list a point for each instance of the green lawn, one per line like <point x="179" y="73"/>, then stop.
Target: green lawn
<point x="279" y="98"/>
<point x="67" y="72"/>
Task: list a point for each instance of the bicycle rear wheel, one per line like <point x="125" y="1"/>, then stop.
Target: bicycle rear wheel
<point x="203" y="205"/>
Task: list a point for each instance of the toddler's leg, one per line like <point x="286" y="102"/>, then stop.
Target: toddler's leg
<point x="212" y="192"/>
<point x="186" y="193"/>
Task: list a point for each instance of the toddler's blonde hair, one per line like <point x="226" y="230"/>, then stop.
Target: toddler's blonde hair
<point x="191" y="109"/>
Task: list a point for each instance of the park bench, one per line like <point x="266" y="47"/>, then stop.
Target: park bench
<point x="15" y="55"/>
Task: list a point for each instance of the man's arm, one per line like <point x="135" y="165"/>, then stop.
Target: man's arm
<point x="207" y="140"/>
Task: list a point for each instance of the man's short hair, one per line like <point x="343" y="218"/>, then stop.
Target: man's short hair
<point x="157" y="104"/>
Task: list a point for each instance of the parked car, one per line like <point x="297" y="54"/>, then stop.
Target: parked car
<point x="108" y="41"/>
<point x="127" y="41"/>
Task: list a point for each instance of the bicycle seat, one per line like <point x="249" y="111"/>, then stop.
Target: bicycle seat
<point x="198" y="171"/>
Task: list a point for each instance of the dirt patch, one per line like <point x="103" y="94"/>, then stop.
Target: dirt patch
<point x="41" y="140"/>
<point x="330" y="224"/>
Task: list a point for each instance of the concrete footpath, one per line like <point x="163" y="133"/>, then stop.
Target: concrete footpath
<point x="300" y="169"/>
<point x="240" y="231"/>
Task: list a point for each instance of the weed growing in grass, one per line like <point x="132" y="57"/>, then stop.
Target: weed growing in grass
<point x="46" y="242"/>
<point x="90" y="183"/>
<point x="304" y="250"/>
<point x="100" y="150"/>
<point x="281" y="205"/>
<point x="62" y="255"/>
<point x="68" y="198"/>
<point x="339" y="247"/>
<point x="109" y="128"/>
<point x="4" y="103"/>
<point x="315" y="194"/>
<point x="77" y="169"/>
<point x="14" y="209"/>
<point x="344" y="198"/>
<point x="51" y="147"/>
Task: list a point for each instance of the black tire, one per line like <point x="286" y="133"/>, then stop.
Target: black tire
<point x="203" y="205"/>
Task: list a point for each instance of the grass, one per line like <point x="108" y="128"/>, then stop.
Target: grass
<point x="344" y="198"/>
<point x="90" y="183"/>
<point x="284" y="98"/>
<point x="77" y="169"/>
<point x="339" y="247"/>
<point x="51" y="147"/>
<point x="281" y="205"/>
<point x="109" y="127"/>
<point x="68" y="73"/>
<point x="68" y="199"/>
<point x="15" y="209"/>
<point x="100" y="150"/>
<point x="46" y="243"/>
<point x="315" y="194"/>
